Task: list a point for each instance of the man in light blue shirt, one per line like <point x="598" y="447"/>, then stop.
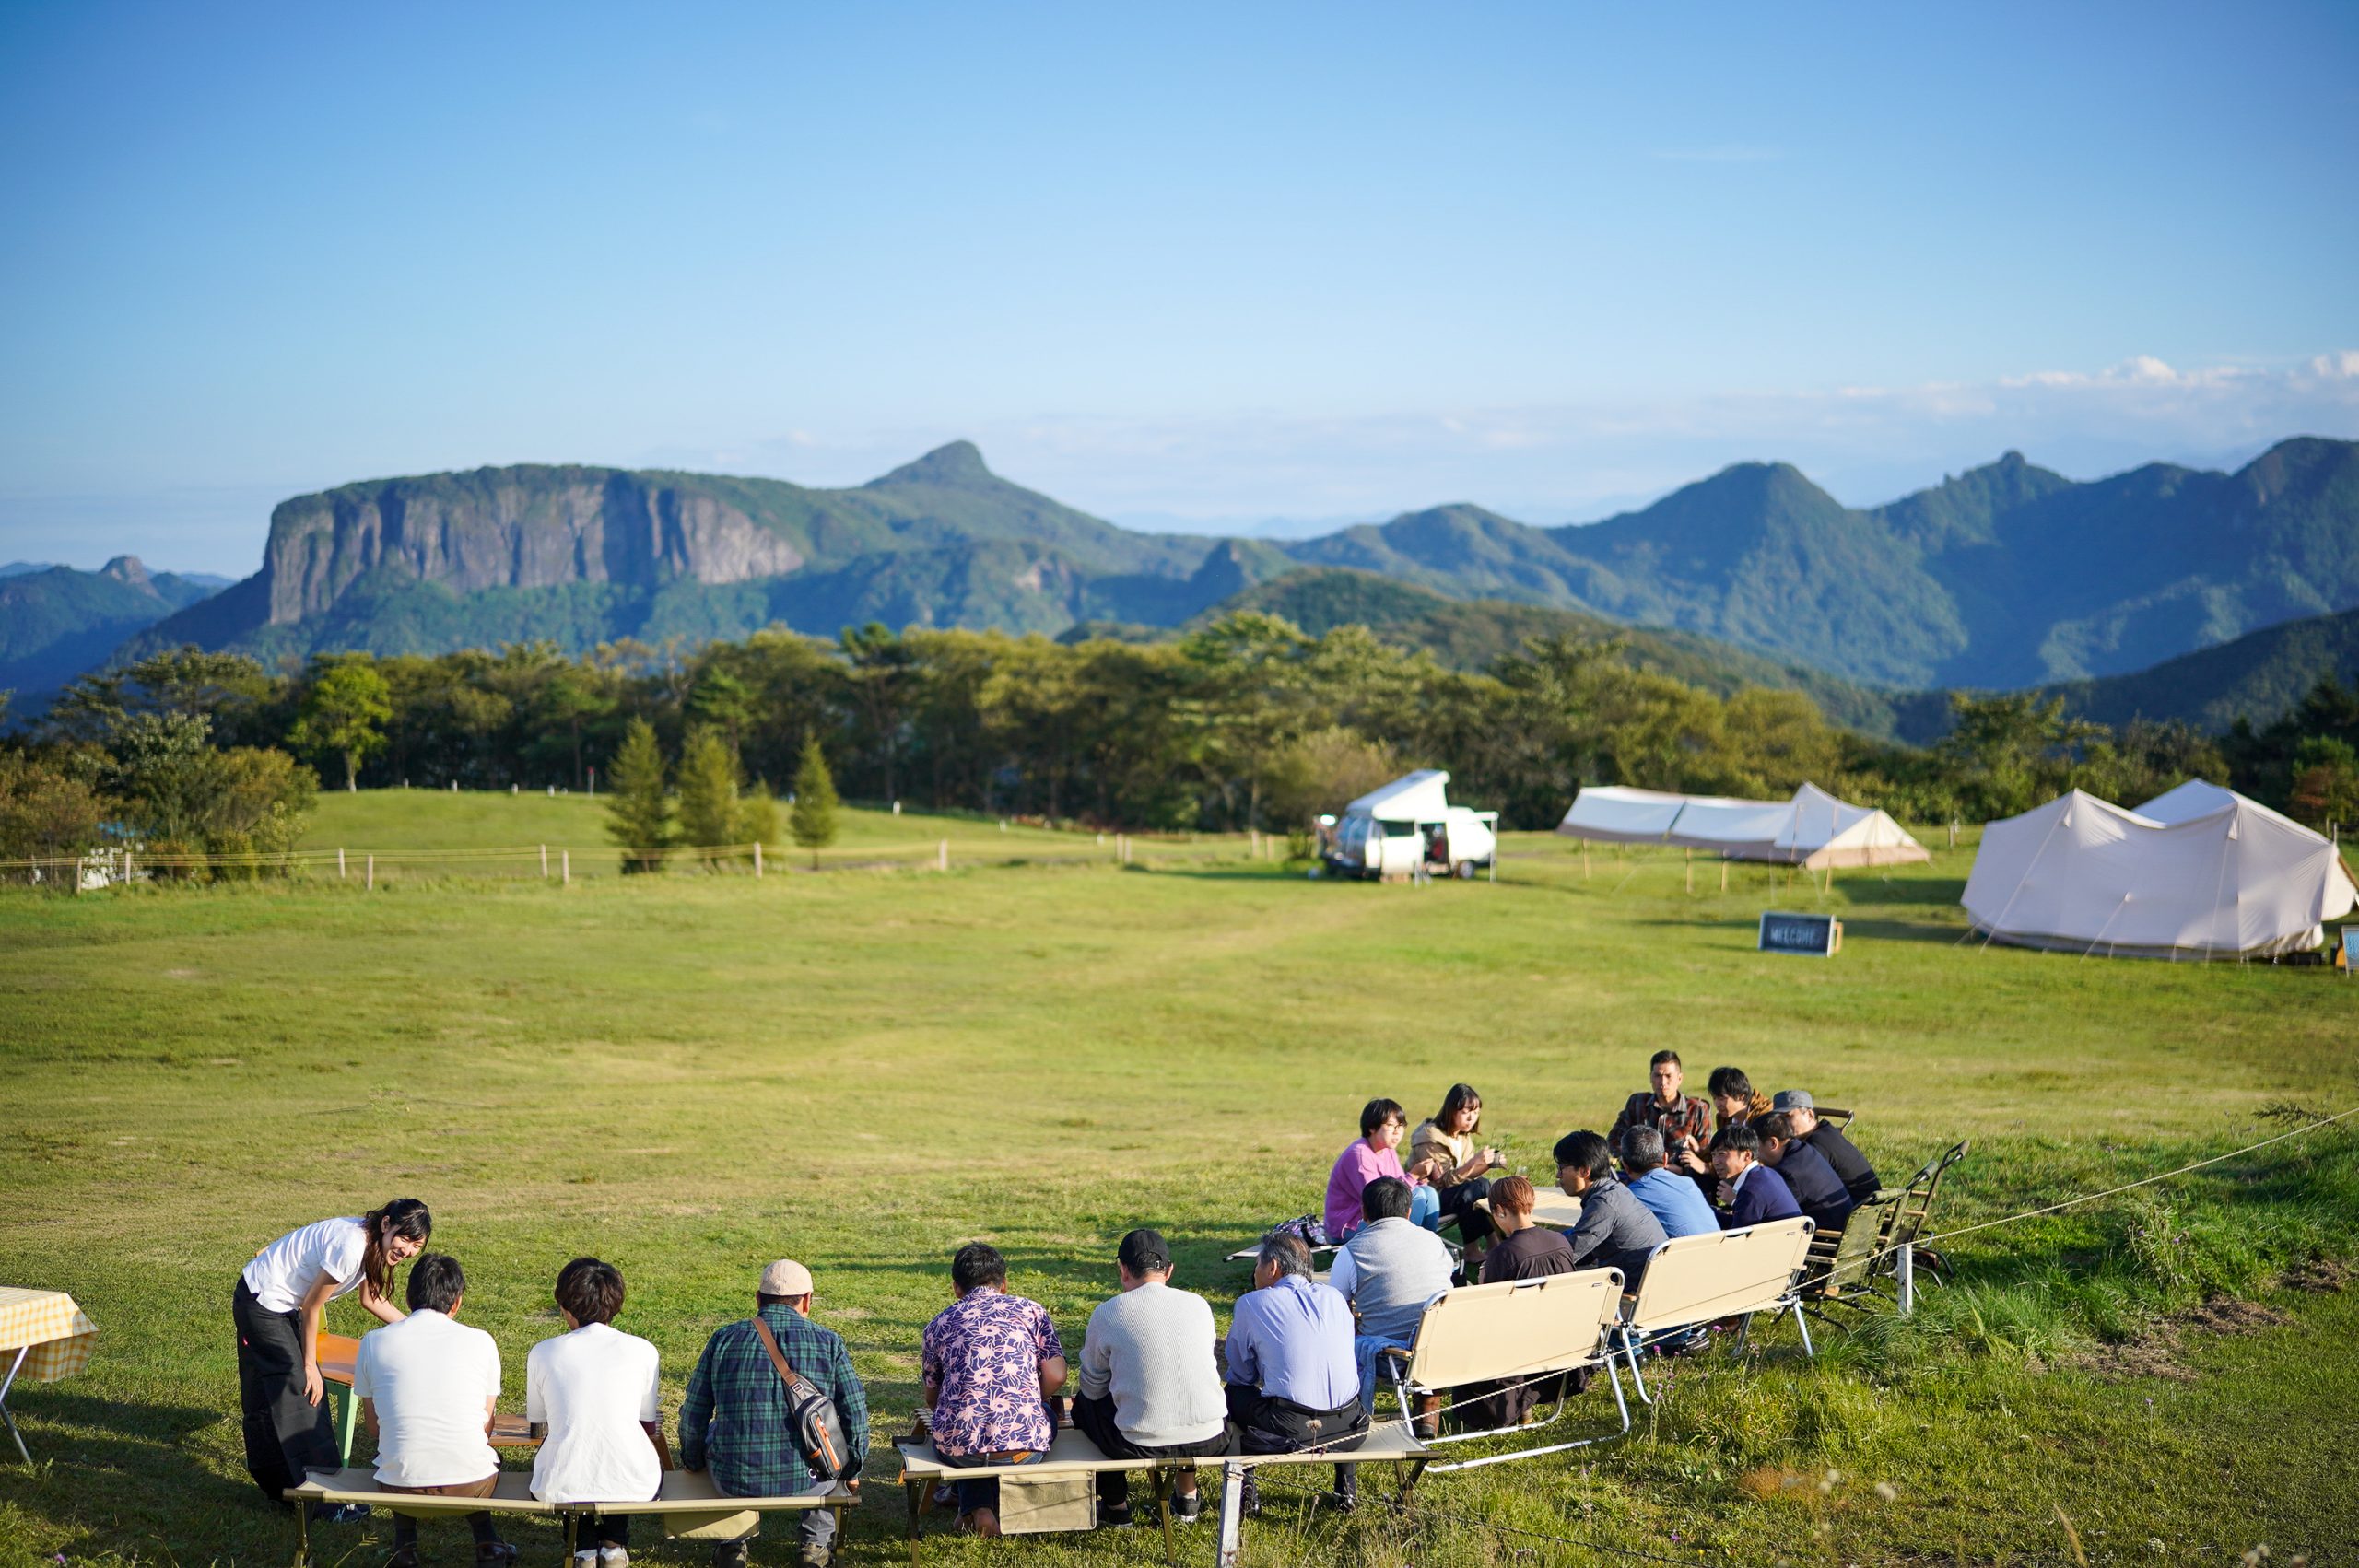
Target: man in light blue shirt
<point x="1672" y="1197"/>
<point x="1389" y="1271"/>
<point x="1294" y="1379"/>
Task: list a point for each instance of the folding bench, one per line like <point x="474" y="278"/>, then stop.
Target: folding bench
<point x="1074" y="1455"/>
<point x="1512" y="1332"/>
<point x="1701" y="1278"/>
<point x="687" y="1506"/>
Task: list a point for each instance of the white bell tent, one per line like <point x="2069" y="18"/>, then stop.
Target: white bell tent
<point x="1813" y="829"/>
<point x="2200" y="872"/>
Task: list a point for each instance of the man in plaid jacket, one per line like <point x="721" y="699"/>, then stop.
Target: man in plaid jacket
<point x="734" y="1417"/>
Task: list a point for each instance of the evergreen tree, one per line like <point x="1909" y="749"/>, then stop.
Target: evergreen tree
<point x="639" y="813"/>
<point x="814" y="816"/>
<point x="708" y="808"/>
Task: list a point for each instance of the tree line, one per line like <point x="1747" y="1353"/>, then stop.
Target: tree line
<point x="1248" y="723"/>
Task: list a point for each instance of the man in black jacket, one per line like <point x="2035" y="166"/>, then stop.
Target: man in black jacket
<point x="1813" y="1181"/>
<point x="1860" y="1177"/>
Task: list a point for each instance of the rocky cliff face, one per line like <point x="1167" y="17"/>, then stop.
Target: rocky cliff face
<point x="511" y="528"/>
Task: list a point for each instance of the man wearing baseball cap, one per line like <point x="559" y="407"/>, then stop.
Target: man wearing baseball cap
<point x="735" y="1415"/>
<point x="1860" y="1177"/>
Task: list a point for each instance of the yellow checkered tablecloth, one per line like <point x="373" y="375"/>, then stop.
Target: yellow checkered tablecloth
<point x="59" y="1333"/>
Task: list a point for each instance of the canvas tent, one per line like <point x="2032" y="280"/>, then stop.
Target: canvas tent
<point x="1813" y="829"/>
<point x="2198" y="873"/>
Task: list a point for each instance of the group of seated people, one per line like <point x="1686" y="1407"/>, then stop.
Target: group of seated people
<point x="427" y="1384"/>
<point x="1300" y="1367"/>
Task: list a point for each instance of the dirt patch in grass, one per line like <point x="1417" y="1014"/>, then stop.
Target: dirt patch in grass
<point x="2155" y="1352"/>
<point x="2328" y="1276"/>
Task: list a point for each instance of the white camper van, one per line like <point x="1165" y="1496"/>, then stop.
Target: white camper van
<point x="1408" y="823"/>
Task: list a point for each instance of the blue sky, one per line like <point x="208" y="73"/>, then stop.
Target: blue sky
<point x="1205" y="265"/>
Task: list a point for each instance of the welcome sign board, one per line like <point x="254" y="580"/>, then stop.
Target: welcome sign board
<point x="1820" y="936"/>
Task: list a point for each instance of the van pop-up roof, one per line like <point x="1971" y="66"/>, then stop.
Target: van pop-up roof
<point x="1413" y="797"/>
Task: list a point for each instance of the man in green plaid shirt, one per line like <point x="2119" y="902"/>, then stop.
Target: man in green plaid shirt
<point x="734" y="1417"/>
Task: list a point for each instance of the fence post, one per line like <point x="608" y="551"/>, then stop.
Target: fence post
<point x="942" y="856"/>
<point x="372" y="873"/>
<point x="1953" y="833"/>
<point x="1724" y="875"/>
<point x="1253" y="842"/>
<point x="339" y="865"/>
<point x="757" y="859"/>
<point x="545" y="863"/>
<point x="565" y="865"/>
<point x="1691" y="870"/>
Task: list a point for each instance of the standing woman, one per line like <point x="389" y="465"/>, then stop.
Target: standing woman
<point x="1445" y="1152"/>
<point x="277" y="1307"/>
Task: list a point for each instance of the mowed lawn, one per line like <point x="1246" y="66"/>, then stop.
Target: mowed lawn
<point x="690" y="1075"/>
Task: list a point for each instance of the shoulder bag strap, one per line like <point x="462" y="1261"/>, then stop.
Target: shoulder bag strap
<point x="795" y="1380"/>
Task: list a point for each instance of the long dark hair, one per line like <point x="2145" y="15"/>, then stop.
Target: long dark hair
<point x="1460" y="1096"/>
<point x="404" y="1217"/>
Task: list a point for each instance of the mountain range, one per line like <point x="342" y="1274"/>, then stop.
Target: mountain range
<point x="2006" y="576"/>
<point x="57" y="622"/>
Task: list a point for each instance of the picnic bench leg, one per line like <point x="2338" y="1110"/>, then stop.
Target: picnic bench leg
<point x="1415" y="1468"/>
<point x="1232" y="1511"/>
<point x="302" y="1535"/>
<point x="1160" y="1483"/>
<point x="1906" y="1273"/>
<point x="1630" y="1350"/>
<point x="347" y="1421"/>
<point x="916" y="1491"/>
<point x="5" y="1384"/>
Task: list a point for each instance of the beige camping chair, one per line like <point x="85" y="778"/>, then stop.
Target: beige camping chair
<point x="1516" y="1331"/>
<point x="1701" y="1278"/>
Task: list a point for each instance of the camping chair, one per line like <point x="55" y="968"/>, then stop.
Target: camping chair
<point x="1835" y="1271"/>
<point x="1841" y="1119"/>
<point x="1514" y="1332"/>
<point x="1701" y="1278"/>
<point x="1897" y="1255"/>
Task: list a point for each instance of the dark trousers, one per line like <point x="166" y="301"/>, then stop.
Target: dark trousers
<point x="1459" y="1203"/>
<point x="285" y="1434"/>
<point x="1095" y="1419"/>
<point x="1267" y="1425"/>
<point x="478" y="1523"/>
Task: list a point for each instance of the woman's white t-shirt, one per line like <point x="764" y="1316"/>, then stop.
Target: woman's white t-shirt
<point x="593" y="1388"/>
<point x="283" y="1273"/>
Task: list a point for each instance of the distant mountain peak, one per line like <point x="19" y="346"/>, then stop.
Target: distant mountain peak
<point x="955" y="463"/>
<point x="125" y="568"/>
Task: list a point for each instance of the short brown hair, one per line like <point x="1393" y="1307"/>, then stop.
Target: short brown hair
<point x="590" y="1290"/>
<point x="1514" y="1192"/>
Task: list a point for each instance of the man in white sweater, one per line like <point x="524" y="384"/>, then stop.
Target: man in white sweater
<point x="1150" y="1387"/>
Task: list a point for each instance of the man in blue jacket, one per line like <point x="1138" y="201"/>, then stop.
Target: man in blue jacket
<point x="1816" y="1189"/>
<point x="1750" y="1191"/>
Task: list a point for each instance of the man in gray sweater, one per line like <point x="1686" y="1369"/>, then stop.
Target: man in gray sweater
<point x="1389" y="1271"/>
<point x="1150" y="1387"/>
<point x="1615" y="1231"/>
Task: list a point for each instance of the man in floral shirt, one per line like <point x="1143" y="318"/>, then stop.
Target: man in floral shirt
<point x="991" y="1362"/>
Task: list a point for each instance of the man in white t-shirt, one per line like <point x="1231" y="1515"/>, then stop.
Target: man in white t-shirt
<point x="594" y="1393"/>
<point x="426" y="1387"/>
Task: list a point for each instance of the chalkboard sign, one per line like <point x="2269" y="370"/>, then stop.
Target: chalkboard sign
<point x="2349" y="961"/>
<point x="1820" y="936"/>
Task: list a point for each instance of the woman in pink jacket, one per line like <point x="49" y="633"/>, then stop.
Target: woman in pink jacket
<point x="1375" y="1152"/>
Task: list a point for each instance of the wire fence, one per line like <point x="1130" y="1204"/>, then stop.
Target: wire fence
<point x="562" y="863"/>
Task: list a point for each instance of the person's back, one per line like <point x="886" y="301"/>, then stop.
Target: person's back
<point x="595" y="1389"/>
<point x="432" y="1381"/>
<point x="983" y="1353"/>
<point x="1843" y="1156"/>
<point x="1389" y="1271"/>
<point x="1675" y="1201"/>
<point x="1817" y="1189"/>
<point x="1150" y="1349"/>
<point x="1529" y="1254"/>
<point x="1615" y="1231"/>
<point x="1291" y="1340"/>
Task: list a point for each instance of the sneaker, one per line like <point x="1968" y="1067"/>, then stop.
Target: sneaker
<point x="614" y="1557"/>
<point x="817" y="1556"/>
<point x="1189" y="1506"/>
<point x="1113" y="1515"/>
<point x="496" y="1551"/>
<point x="729" y="1554"/>
<point x="586" y="1558"/>
<point x="1343" y="1502"/>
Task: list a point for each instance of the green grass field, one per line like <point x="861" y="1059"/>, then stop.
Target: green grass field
<point x="692" y="1075"/>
